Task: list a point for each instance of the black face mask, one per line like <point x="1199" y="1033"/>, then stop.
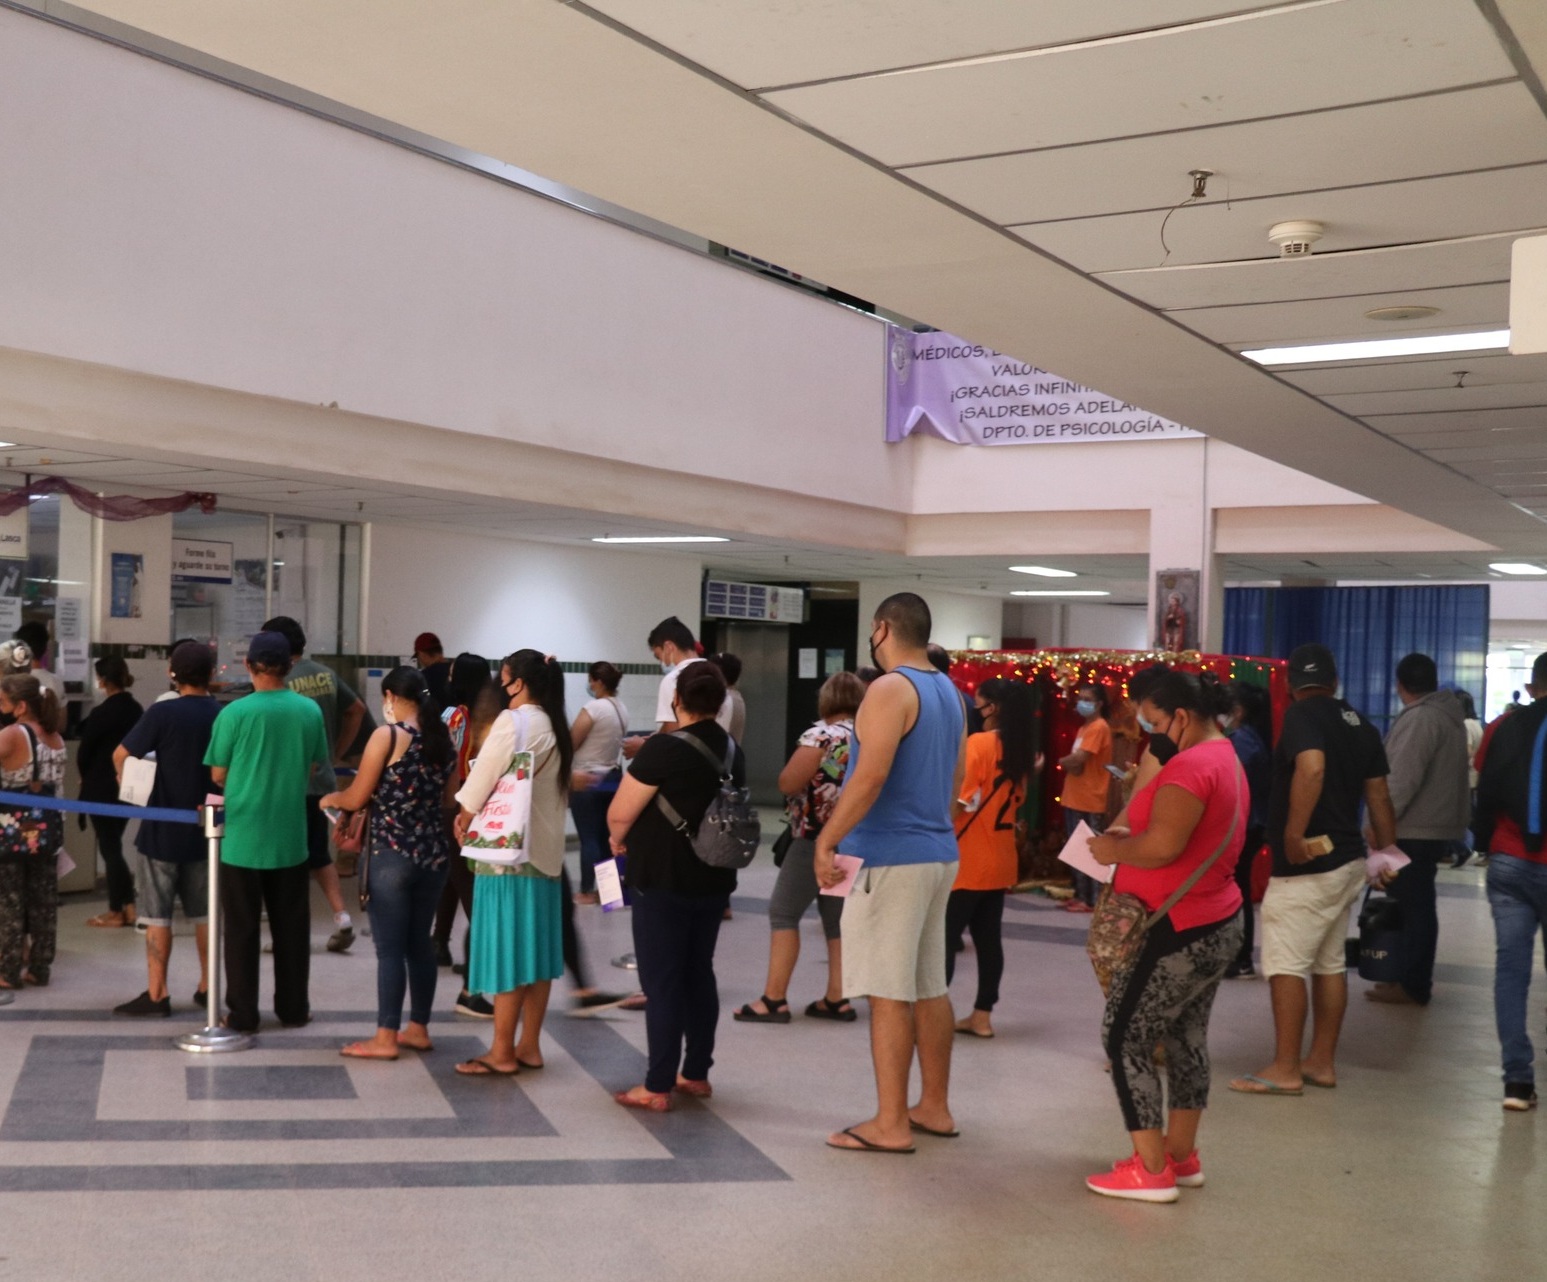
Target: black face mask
<point x="874" y="661"/>
<point x="1163" y="746"/>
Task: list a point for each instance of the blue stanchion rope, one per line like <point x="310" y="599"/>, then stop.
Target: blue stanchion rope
<point x="160" y="814"/>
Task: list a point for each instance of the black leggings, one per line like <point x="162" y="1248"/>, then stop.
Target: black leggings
<point x="1243" y="879"/>
<point x="981" y="912"/>
<point x="110" y="842"/>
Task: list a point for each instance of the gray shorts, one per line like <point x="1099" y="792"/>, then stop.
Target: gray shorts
<point x="894" y="932"/>
<point x="796" y="888"/>
<point x="164" y="883"/>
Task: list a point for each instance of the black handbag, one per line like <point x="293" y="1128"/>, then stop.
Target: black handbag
<point x="781" y="845"/>
<point x="1376" y="952"/>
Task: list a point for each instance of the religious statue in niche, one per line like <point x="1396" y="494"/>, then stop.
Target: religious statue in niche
<point x="1176" y="610"/>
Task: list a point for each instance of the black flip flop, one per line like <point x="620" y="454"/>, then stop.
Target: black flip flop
<point x="824" y="1009"/>
<point x="930" y="1130"/>
<point x="778" y="1012"/>
<point x="866" y="1146"/>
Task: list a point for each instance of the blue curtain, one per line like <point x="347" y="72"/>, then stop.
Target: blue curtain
<point x="1368" y="629"/>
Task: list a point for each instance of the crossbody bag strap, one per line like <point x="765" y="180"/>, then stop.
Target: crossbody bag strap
<point x="673" y="816"/>
<point x="1197" y="873"/>
<point x="32" y="742"/>
<point x="982" y="806"/>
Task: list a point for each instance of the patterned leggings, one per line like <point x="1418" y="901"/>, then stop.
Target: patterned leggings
<point x="1165" y="999"/>
<point x="29" y="908"/>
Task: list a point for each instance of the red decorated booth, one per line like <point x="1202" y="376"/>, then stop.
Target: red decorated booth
<point x="1055" y="675"/>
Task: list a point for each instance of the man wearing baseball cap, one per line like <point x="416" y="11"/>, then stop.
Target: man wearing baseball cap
<point x="430" y="658"/>
<point x="262" y="751"/>
<point x="1328" y="761"/>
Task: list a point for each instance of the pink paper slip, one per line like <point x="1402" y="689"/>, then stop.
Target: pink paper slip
<point x="849" y="865"/>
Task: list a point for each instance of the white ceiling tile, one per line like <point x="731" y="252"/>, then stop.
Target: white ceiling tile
<point x="1430" y="371"/>
<point x="1426" y="209"/>
<point x="1377" y="142"/>
<point x="1320" y="56"/>
<point x="1326" y="275"/>
<point x="1477" y="396"/>
<point x="1337" y="319"/>
<point x="1502" y="422"/>
<point x="758" y="43"/>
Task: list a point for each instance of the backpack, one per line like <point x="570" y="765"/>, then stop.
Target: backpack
<point x="730" y="831"/>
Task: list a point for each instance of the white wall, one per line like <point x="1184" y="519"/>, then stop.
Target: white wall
<point x="160" y="222"/>
<point x="957" y="615"/>
<point x="1084" y="627"/>
<point x="493" y="595"/>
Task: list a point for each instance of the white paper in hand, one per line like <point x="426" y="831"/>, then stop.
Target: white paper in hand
<point x="139" y="778"/>
<point x="609" y="885"/>
<point x="1076" y="853"/>
<point x="1379" y="862"/>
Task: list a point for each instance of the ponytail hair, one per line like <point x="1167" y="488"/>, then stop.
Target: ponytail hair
<point x="43" y="704"/>
<point x="1202" y="694"/>
<point x="543" y="675"/>
<point x="1017" y="728"/>
<point x="435" y="740"/>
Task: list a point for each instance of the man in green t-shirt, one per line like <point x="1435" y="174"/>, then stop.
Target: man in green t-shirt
<point x="262" y="751"/>
<point x="342" y="712"/>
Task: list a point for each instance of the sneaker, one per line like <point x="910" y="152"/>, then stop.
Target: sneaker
<point x="145" y="1004"/>
<point x="1241" y="970"/>
<point x="1519" y="1097"/>
<point x="1188" y="1173"/>
<point x="595" y="1003"/>
<point x="1128" y="1179"/>
<point x="442" y="954"/>
<point x="474" y="1004"/>
<point x="341" y="939"/>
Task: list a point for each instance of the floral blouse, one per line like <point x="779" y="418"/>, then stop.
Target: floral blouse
<point x="407" y="815"/>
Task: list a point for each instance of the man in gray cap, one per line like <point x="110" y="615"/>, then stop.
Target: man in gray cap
<point x="1328" y="761"/>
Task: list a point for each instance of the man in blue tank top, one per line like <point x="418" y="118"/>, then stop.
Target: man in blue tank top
<point x="905" y="766"/>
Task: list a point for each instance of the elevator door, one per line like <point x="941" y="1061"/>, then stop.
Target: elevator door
<point x="764" y="650"/>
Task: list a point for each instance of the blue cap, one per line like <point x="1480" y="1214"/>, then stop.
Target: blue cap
<point x="272" y="649"/>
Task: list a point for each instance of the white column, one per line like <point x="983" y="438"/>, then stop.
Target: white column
<point x="1182" y="539"/>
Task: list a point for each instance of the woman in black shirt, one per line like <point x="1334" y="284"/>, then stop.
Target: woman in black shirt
<point x="679" y="901"/>
<point x="102" y="731"/>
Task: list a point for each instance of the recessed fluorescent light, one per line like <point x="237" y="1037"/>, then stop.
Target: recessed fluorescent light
<point x="1044" y="571"/>
<point x="1050" y="592"/>
<point x="1379" y="348"/>
<point x="1516" y="567"/>
<point x="5" y="445"/>
<point x="660" y="538"/>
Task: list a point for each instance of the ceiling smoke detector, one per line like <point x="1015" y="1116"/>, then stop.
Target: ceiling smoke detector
<point x="1404" y="312"/>
<point x="1295" y="238"/>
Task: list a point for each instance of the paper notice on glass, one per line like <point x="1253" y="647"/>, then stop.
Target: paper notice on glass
<point x="806" y="665"/>
<point x="849" y="866"/>
<point x="1076" y="853"/>
<point x="1377" y="863"/>
<point x="74" y="662"/>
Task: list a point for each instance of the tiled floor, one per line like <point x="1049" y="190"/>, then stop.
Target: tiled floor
<point x="122" y="1157"/>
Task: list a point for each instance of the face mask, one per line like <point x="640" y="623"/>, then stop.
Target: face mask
<point x="1147" y="726"/>
<point x="1163" y="747"/>
<point x="875" y="661"/>
<point x="1223" y="720"/>
<point x="1085" y="708"/>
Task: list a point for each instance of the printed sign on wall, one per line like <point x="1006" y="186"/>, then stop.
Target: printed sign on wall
<point x="972" y="395"/>
<point x="128" y="570"/>
<point x="198" y="562"/>
<point x="13" y="536"/>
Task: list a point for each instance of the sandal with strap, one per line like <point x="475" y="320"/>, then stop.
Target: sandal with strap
<point x="840" y="1010"/>
<point x="778" y="1012"/>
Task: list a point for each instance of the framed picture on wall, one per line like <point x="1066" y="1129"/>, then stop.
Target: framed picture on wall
<point x="1176" y="609"/>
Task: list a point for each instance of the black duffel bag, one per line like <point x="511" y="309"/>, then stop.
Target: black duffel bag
<point x="1376" y="952"/>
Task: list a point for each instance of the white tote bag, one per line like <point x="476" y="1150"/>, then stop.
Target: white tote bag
<point x="498" y="834"/>
<point x="138" y="779"/>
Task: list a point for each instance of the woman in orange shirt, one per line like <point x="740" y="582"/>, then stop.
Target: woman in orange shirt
<point x="1000" y="762"/>
<point x="1086" y="780"/>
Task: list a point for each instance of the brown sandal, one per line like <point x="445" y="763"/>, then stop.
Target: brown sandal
<point x="109" y="921"/>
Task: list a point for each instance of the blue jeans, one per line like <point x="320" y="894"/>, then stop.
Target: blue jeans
<point x="404" y="896"/>
<point x="589" y="809"/>
<point x="1517" y="893"/>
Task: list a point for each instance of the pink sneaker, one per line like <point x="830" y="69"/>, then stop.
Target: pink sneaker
<point x="1128" y="1179"/>
<point x="1188" y="1172"/>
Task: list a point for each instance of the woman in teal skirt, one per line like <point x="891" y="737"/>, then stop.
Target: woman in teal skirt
<point x="515" y="951"/>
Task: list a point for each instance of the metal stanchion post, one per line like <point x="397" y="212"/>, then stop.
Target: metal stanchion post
<point x="214" y="1037"/>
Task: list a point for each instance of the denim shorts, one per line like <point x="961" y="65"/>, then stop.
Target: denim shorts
<point x="164" y="883"/>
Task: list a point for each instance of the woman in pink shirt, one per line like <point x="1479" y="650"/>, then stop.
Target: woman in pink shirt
<point x="1190" y="817"/>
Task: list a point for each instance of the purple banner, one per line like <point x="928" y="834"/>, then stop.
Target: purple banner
<point x="963" y="392"/>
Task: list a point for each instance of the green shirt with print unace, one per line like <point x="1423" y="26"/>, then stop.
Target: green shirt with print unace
<point x="268" y="742"/>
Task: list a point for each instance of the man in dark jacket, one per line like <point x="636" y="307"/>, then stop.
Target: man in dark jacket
<point x="1510" y="826"/>
<point x="1431" y="793"/>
